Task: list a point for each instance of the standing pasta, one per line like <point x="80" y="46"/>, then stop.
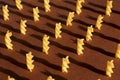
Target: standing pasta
<point x="110" y="66"/>
<point x="29" y="61"/>
<point x="58" y="30"/>
<point x="117" y="54"/>
<point x="23" y="26"/>
<point x="65" y="64"/>
<point x="36" y="14"/>
<point x="45" y="44"/>
<point x="18" y="4"/>
<point x="8" y="41"/>
<point x="10" y="78"/>
<point x="80" y="43"/>
<point x="50" y="78"/>
<point x="108" y="7"/>
<point x="90" y="30"/>
<point x="79" y="6"/>
<point x="99" y="22"/>
<point x="69" y="19"/>
<point x="5" y="12"/>
<point x="47" y="5"/>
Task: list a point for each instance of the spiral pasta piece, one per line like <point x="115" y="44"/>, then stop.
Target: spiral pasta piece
<point x="8" y="41"/>
<point x="29" y="61"/>
<point x="50" y="78"/>
<point x="90" y="30"/>
<point x="10" y="78"/>
<point x="47" y="5"/>
<point x="117" y="54"/>
<point x="80" y="43"/>
<point x="99" y="22"/>
<point x="79" y="6"/>
<point x="108" y="7"/>
<point x="65" y="64"/>
<point x="58" y="30"/>
<point x="70" y="19"/>
<point x="110" y="66"/>
<point x="18" y="4"/>
<point x="23" y="26"/>
<point x="45" y="44"/>
<point x="5" y="12"/>
<point x="36" y="14"/>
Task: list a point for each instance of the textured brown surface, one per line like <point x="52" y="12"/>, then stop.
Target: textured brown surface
<point x="89" y="66"/>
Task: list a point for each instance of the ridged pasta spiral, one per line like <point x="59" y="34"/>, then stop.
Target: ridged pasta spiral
<point x="108" y="7"/>
<point x="117" y="54"/>
<point x="79" y="6"/>
<point x="8" y="41"/>
<point x="23" y="26"/>
<point x="36" y="14"/>
<point x="47" y="5"/>
<point x="99" y="22"/>
<point x="90" y="30"/>
<point x="80" y="43"/>
<point x="10" y="78"/>
<point x="5" y="12"/>
<point x="18" y="4"/>
<point x="50" y="78"/>
<point x="65" y="64"/>
<point x="70" y="19"/>
<point x="45" y="44"/>
<point x="58" y="30"/>
<point x="29" y="61"/>
<point x="109" y="69"/>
